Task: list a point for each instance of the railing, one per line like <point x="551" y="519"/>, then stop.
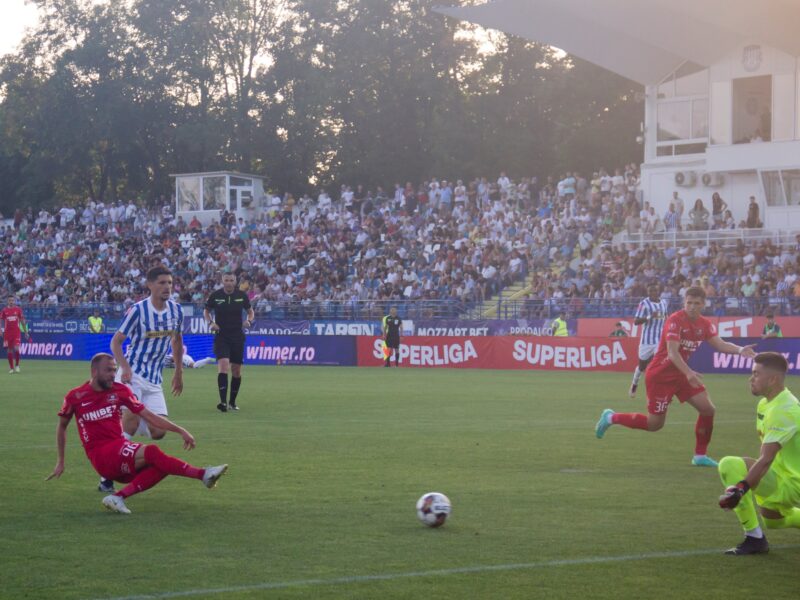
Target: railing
<point x="370" y="310"/>
<point x="723" y="237"/>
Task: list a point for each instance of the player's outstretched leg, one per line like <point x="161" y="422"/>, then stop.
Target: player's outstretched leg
<point x="630" y="420"/>
<point x="733" y="469"/>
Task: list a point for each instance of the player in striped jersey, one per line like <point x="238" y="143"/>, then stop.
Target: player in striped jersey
<point x="651" y="314"/>
<point x="153" y="326"/>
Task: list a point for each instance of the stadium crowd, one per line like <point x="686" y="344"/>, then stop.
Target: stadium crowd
<point x="437" y="240"/>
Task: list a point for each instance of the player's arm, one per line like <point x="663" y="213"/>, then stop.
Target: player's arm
<point x="119" y="356"/>
<point x="61" y="444"/>
<point x="163" y="423"/>
<point x="733" y="494"/>
<point x="721" y="345"/>
<point x="210" y="320"/>
<point x="177" y="355"/>
<point x="251" y="315"/>
<point x="674" y="355"/>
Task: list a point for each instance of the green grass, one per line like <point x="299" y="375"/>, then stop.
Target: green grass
<point x="325" y="468"/>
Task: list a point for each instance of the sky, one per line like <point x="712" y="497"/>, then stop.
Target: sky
<point x="17" y="15"/>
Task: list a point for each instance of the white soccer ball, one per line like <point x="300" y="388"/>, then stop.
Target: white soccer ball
<point x="433" y="509"/>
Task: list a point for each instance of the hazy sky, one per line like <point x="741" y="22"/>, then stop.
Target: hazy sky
<point x="16" y="16"/>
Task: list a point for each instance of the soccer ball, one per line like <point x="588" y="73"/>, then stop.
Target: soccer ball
<point x="433" y="509"/>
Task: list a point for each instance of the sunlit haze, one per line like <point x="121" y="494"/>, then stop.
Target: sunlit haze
<point x="17" y="15"/>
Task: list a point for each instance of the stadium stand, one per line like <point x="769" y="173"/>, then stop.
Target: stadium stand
<point x="446" y="249"/>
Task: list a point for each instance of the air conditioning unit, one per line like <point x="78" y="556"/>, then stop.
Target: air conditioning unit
<point x="685" y="178"/>
<point x="713" y="179"/>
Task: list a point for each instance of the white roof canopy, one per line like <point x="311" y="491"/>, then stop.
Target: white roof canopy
<point x="643" y="40"/>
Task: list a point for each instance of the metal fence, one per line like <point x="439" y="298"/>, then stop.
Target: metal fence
<point x="723" y="237"/>
<point x="441" y="309"/>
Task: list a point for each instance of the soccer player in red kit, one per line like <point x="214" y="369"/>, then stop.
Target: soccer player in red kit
<point x="12" y="322"/>
<point x="96" y="406"/>
<point x="669" y="375"/>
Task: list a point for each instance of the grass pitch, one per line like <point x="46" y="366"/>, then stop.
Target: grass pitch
<point x="325" y="468"/>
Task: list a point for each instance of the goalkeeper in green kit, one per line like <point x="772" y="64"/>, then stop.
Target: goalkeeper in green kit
<point x="772" y="482"/>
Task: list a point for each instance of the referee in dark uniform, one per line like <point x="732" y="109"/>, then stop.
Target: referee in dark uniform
<point x="391" y="336"/>
<point x="228" y="304"/>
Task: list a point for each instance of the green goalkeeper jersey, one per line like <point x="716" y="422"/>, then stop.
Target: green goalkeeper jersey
<point x="779" y="421"/>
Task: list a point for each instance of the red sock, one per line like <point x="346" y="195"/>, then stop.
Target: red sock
<point x="630" y="420"/>
<point x="17" y="356"/>
<point x="702" y="433"/>
<point x="10" y="359"/>
<point x="169" y="464"/>
<point x="144" y="480"/>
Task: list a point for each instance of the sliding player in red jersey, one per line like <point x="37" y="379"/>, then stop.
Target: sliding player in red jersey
<point x="13" y="323"/>
<point x="97" y="406"/>
<point x="669" y="375"/>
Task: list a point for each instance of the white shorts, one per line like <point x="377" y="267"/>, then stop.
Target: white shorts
<point x="646" y="351"/>
<point x="149" y="394"/>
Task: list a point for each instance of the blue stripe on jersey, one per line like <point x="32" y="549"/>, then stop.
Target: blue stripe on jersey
<point x="651" y="331"/>
<point x="151" y="337"/>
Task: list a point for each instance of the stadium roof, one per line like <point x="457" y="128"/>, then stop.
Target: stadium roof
<point x="643" y="40"/>
<point x="220" y="173"/>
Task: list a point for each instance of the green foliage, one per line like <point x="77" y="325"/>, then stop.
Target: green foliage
<point x="106" y="100"/>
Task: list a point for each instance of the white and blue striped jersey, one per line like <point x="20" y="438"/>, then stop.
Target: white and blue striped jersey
<point x="150" y="333"/>
<point x="651" y="330"/>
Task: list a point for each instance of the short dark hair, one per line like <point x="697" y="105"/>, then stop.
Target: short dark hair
<point x="157" y="272"/>
<point x="100" y="357"/>
<point x="696" y="292"/>
<point x="772" y="360"/>
<point x="770" y="315"/>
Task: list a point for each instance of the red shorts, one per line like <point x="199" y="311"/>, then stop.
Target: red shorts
<point x="11" y="340"/>
<point x="662" y="386"/>
<point x="115" y="460"/>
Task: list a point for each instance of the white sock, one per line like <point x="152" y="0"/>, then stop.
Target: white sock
<point x="199" y="364"/>
<point x="756" y="533"/>
<point x="636" y="375"/>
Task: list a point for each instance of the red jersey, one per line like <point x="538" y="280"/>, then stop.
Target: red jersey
<point x="679" y="328"/>
<point x="11" y="317"/>
<point x="98" y="414"/>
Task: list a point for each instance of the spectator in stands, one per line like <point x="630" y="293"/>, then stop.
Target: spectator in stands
<point x="671" y="218"/>
<point x="718" y="208"/>
<point x="699" y="216"/>
<point x="753" y="211"/>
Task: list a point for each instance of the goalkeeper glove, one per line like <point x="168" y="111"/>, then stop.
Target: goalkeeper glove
<point x="733" y="495"/>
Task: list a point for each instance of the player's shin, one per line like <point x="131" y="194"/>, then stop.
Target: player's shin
<point x="144" y="480"/>
<point x="732" y="469"/>
<point x="630" y="420"/>
<point x="169" y="464"/>
<point x="702" y="432"/>
<point x="236" y="382"/>
<point x="222" y="384"/>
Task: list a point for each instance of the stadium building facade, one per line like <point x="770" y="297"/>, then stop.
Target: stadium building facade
<point x="721" y="89"/>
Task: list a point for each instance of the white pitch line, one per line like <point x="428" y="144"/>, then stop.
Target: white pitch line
<point x="279" y="585"/>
